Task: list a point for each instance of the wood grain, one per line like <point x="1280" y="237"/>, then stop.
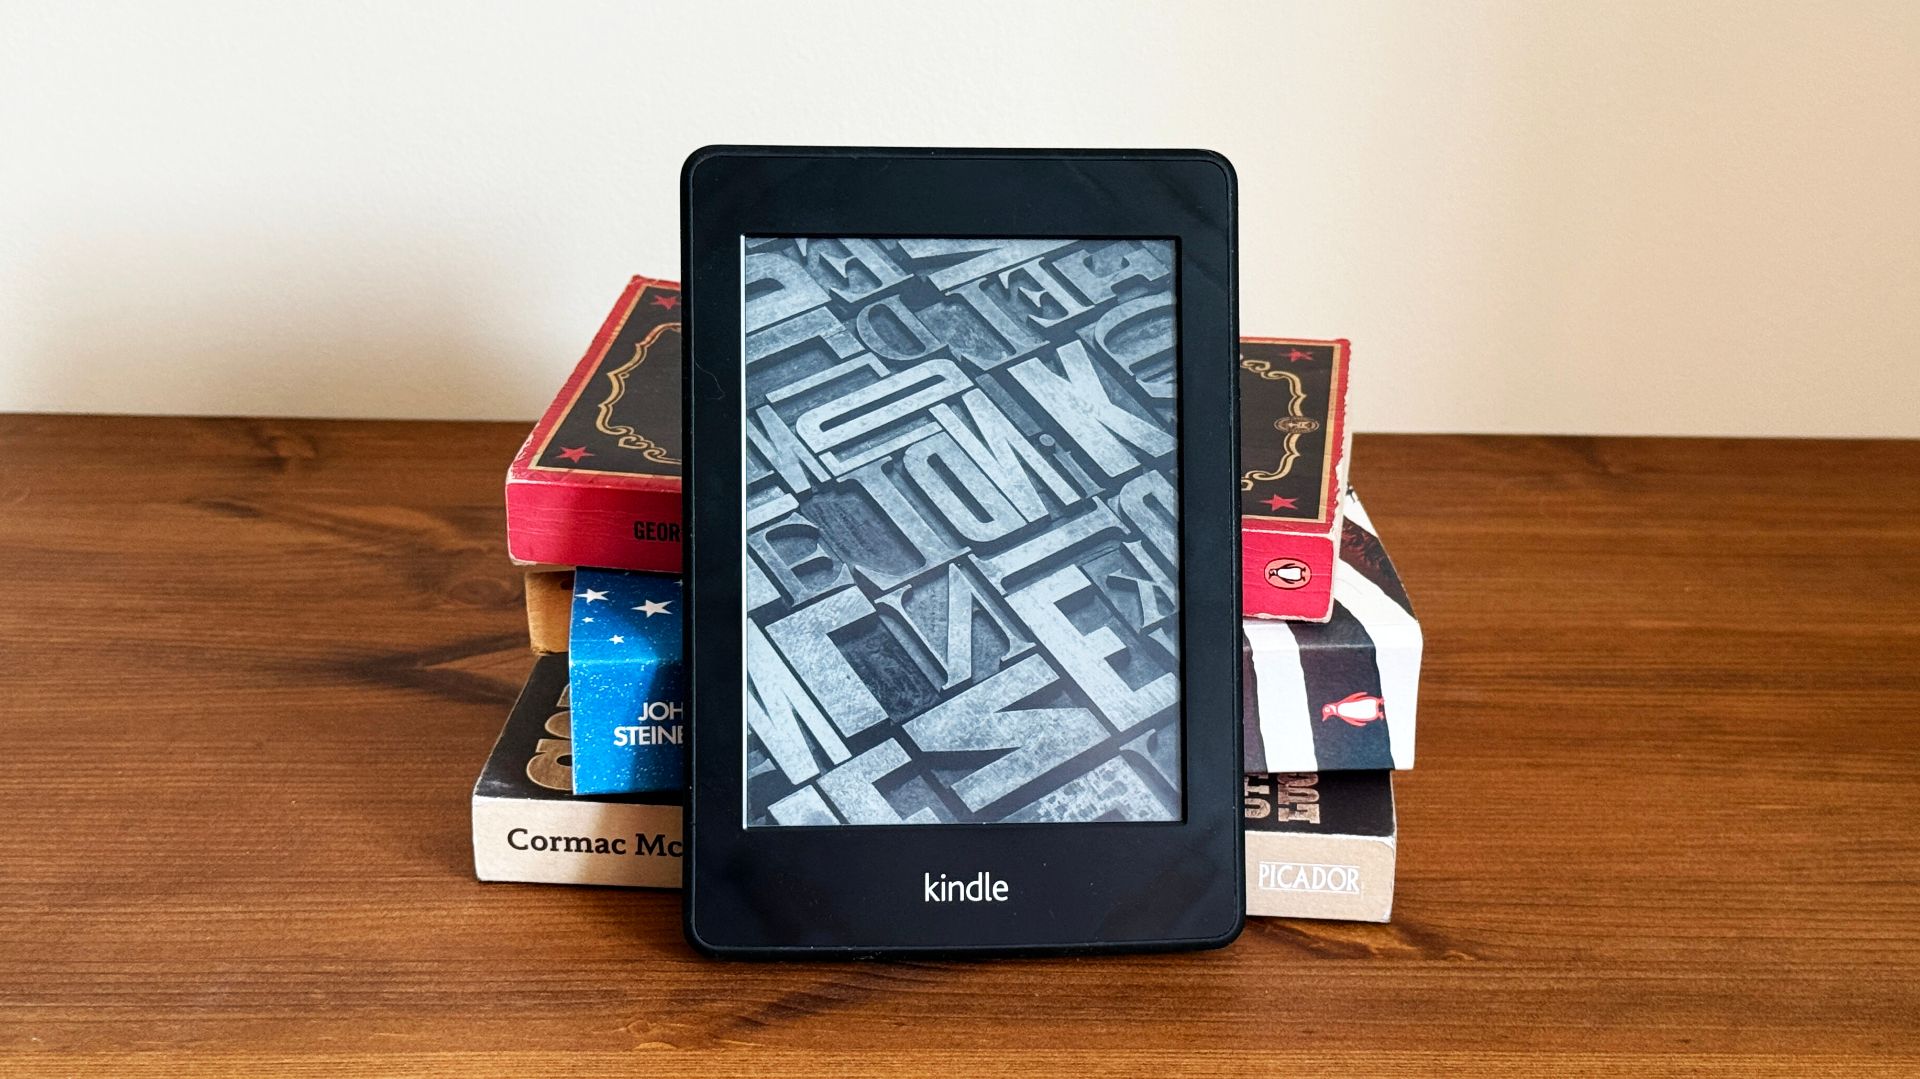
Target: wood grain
<point x="1664" y="816"/>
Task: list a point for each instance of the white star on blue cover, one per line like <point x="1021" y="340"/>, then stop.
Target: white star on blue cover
<point x="624" y="666"/>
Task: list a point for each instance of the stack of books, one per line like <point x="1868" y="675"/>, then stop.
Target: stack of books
<point x="586" y="782"/>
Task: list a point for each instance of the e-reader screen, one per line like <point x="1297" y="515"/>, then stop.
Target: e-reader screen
<point x="962" y="551"/>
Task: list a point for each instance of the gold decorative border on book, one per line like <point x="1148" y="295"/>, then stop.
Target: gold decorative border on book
<point x="1293" y="425"/>
<point x="629" y="438"/>
<point x="612" y="330"/>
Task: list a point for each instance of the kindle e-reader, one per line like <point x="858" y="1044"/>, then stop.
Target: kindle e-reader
<point x="961" y="563"/>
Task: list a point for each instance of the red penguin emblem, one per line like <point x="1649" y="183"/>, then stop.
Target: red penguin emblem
<point x="1356" y="709"/>
<point x="1288" y="573"/>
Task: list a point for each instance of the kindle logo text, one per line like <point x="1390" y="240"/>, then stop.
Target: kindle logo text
<point x="983" y="888"/>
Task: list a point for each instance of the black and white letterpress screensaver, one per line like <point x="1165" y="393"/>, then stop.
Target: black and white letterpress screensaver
<point x="961" y="549"/>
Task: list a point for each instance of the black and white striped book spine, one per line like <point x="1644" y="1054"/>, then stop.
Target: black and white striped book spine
<point x="1340" y="695"/>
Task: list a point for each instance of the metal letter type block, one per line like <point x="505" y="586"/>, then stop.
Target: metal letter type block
<point x="960" y="497"/>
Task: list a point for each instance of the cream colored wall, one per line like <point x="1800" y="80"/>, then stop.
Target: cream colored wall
<point x="1529" y="216"/>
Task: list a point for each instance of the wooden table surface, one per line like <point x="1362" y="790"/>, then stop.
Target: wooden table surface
<point x="1664" y="816"/>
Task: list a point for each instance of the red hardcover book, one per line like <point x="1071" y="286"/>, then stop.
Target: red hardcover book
<point x="597" y="483"/>
<point x="1293" y="458"/>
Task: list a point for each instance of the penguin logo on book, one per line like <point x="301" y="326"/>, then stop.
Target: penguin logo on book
<point x="1355" y="709"/>
<point x="1288" y="573"/>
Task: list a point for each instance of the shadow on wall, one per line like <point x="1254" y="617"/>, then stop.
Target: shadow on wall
<point x="371" y="319"/>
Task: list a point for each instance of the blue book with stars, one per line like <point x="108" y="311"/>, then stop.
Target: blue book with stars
<point x="629" y="700"/>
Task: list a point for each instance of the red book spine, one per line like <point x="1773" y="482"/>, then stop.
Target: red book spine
<point x="1287" y="575"/>
<point x="572" y="525"/>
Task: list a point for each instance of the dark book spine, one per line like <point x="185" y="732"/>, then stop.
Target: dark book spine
<point x="1320" y="846"/>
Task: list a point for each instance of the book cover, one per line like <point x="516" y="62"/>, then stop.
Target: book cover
<point x="624" y="653"/>
<point x="1294" y="447"/>
<point x="1320" y="846"/>
<point x="1339" y="695"/>
<point x="597" y="483"/>
<point x="529" y="826"/>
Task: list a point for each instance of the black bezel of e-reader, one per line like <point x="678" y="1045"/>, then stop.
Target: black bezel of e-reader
<point x="798" y="892"/>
